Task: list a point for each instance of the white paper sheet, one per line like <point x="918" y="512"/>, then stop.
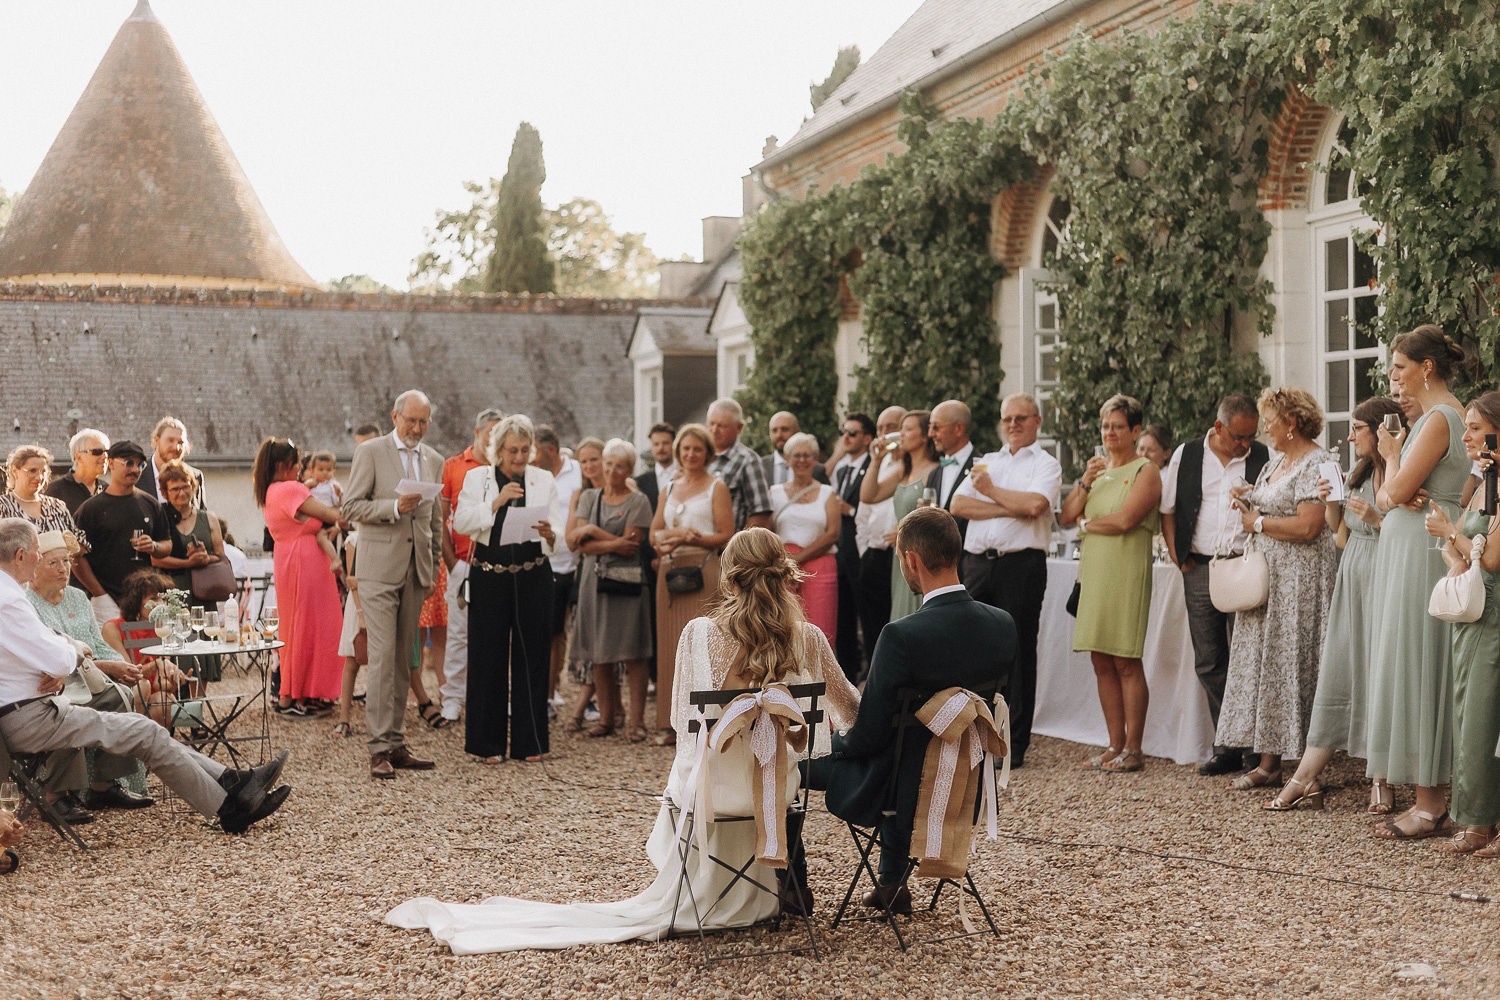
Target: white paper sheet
<point x="518" y="526"/>
<point x="1330" y="471"/>
<point x="429" y="491"/>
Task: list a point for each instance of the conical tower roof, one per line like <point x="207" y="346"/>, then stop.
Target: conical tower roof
<point x="140" y="186"/>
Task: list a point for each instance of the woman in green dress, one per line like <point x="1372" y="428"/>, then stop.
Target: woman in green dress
<point x="1115" y="506"/>
<point x="1410" y="719"/>
<point x="1476" y="658"/>
<point x="1338" y="710"/>
<point x="918" y="458"/>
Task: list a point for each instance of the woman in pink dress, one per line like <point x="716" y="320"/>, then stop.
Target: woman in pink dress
<point x="807" y="516"/>
<point x="306" y="594"/>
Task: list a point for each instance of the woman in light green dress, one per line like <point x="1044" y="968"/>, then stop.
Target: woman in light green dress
<point x="1410" y="727"/>
<point x="1476" y="659"/>
<point x="918" y="458"/>
<point x="1115" y="506"/>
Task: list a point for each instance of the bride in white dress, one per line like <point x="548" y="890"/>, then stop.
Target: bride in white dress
<point x="757" y="636"/>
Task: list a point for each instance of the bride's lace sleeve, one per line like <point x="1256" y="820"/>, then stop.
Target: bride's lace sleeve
<point x="842" y="697"/>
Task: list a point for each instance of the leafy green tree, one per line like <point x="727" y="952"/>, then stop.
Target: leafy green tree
<point x="593" y="260"/>
<point x="519" y="262"/>
<point x="357" y="283"/>
<point x="459" y="245"/>
<point x="843" y="64"/>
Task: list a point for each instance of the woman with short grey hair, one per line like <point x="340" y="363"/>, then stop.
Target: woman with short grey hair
<point x="510" y="598"/>
<point x="613" y="623"/>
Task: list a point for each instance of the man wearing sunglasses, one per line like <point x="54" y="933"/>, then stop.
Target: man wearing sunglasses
<point x="848" y="471"/>
<point x="89" y="449"/>
<point x="126" y="527"/>
<point x="1197" y="522"/>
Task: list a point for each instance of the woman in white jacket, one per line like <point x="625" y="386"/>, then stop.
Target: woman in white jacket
<point x="510" y="597"/>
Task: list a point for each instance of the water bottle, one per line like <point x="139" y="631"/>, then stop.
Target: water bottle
<point x="231" y="628"/>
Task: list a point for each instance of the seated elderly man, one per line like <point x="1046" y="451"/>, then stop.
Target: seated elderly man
<point x="35" y="662"/>
<point x="66" y="610"/>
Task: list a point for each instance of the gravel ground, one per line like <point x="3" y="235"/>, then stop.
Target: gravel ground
<point x="164" y="907"/>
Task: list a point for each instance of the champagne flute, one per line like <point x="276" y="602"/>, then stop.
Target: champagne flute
<point x="10" y="796"/>
<point x="134" y="535"/>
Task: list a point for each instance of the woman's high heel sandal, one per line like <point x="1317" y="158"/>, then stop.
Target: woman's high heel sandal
<point x="1257" y="777"/>
<point x="1382" y="798"/>
<point x="1311" y="797"/>
<point x="1129" y="761"/>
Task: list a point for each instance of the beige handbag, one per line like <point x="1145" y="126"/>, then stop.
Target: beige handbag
<point x="1460" y="598"/>
<point x="1239" y="583"/>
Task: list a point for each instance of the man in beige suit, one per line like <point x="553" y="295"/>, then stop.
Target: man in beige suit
<point x="400" y="540"/>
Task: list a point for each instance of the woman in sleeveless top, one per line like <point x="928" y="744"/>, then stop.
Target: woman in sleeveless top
<point x="806" y="515"/>
<point x="694" y="519"/>
<point x="756" y="637"/>
<point x="918" y="458"/>
<point x="1339" y="704"/>
<point x="1115" y="507"/>
<point x="1411" y="681"/>
<point x="1476" y="657"/>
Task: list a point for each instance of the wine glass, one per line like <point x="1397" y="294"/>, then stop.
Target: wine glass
<point x="195" y="618"/>
<point x="929" y="498"/>
<point x="269" y="622"/>
<point x="182" y="627"/>
<point x="211" y="624"/>
<point x="166" y="630"/>
<point x="10" y="796"/>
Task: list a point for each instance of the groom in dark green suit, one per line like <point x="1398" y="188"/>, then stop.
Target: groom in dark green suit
<point x="952" y="641"/>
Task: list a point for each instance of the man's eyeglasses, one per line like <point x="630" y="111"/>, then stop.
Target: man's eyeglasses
<point x="96" y="452"/>
<point x="1020" y="419"/>
<point x="853" y="432"/>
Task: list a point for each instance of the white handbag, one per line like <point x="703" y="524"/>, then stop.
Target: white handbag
<point x="1460" y="598"/>
<point x="1239" y="583"/>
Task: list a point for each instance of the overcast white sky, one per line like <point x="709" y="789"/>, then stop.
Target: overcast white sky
<point x="357" y="119"/>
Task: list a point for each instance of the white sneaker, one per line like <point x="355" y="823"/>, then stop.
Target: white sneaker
<point x="557" y="701"/>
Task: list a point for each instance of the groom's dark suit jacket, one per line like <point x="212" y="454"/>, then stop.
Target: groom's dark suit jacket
<point x="953" y="641"/>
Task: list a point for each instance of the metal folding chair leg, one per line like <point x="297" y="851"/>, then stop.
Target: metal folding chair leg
<point x="23" y="771"/>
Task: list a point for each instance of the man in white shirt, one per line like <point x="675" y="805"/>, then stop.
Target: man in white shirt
<point x="1197" y="522"/>
<point x="35" y="662"/>
<point x="1008" y="499"/>
<point x="948" y="427"/>
<point x="781" y="428"/>
<point x="874" y="527"/>
<point x="569" y="478"/>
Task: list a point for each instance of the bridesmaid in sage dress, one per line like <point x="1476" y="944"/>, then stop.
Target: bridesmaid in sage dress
<point x="1338" y="711"/>
<point x="1410" y="733"/>
<point x="1476" y="660"/>
<point x="918" y="458"/>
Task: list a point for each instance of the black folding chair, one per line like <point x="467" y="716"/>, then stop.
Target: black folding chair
<point x="25" y="769"/>
<point x="739" y="871"/>
<point x="866" y="839"/>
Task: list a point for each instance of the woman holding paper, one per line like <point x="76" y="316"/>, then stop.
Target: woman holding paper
<point x="308" y="598"/>
<point x="511" y="510"/>
<point x="1338" y="711"/>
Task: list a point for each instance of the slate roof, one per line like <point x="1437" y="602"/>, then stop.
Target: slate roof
<point x="674" y="330"/>
<point x="938" y="39"/>
<point x="313" y="367"/>
<point x="141" y="182"/>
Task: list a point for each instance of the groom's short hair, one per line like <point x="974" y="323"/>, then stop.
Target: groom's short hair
<point x="933" y="535"/>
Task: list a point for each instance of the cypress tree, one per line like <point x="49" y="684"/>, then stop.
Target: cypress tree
<point x="519" y="262"/>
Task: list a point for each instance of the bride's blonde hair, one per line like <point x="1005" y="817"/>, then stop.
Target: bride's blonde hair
<point x="757" y="605"/>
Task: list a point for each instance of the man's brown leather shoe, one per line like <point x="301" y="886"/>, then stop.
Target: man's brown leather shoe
<point x="895" y="897"/>
<point x="380" y="765"/>
<point x="403" y="758"/>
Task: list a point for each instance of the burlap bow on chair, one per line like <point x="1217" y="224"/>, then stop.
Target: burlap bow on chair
<point x="773" y="721"/>
<point x="964" y="737"/>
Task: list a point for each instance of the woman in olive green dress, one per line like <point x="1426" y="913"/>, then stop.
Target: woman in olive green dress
<point x="1476" y="658"/>
<point x="1115" y="507"/>
<point x="918" y="458"/>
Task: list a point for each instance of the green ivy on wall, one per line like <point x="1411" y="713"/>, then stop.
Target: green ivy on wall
<point x="1159" y="143"/>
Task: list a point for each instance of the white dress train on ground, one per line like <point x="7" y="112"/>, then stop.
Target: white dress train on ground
<point x="504" y="923"/>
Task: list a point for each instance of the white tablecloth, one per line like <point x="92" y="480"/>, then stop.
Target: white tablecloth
<point x="1178" y="725"/>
